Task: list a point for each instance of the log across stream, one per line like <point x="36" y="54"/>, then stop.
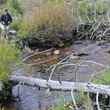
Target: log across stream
<point x="63" y="86"/>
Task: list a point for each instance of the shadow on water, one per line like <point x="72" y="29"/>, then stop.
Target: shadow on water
<point x="9" y="107"/>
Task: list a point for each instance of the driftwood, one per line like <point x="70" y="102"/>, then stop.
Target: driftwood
<point x="64" y="85"/>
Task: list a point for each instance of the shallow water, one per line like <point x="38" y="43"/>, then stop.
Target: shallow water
<point x="40" y="99"/>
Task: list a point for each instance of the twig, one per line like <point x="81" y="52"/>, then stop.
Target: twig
<point x="55" y="66"/>
<point x="97" y="101"/>
<point x="73" y="99"/>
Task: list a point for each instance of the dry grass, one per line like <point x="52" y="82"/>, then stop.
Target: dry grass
<point x="50" y="15"/>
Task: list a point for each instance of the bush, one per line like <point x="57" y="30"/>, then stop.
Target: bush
<point x="48" y="22"/>
<point x="8" y="55"/>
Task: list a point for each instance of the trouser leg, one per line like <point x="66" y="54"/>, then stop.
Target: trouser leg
<point x="2" y="27"/>
<point x="4" y="31"/>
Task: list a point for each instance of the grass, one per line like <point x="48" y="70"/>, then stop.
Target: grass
<point x="103" y="78"/>
<point x="87" y="8"/>
<point x="61" y="107"/>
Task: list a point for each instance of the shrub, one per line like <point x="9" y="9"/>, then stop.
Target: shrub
<point x="51" y="23"/>
<point x="8" y="55"/>
<point x="48" y="22"/>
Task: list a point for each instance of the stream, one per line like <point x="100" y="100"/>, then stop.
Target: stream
<point x="30" y="98"/>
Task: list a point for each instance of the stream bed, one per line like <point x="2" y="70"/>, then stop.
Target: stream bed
<point x="30" y="98"/>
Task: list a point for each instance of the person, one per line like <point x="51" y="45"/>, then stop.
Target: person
<point x="6" y="18"/>
<point x="5" y="21"/>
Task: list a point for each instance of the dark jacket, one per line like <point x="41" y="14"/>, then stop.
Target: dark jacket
<point x="6" y="19"/>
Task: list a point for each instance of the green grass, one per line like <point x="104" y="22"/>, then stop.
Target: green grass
<point x="59" y="107"/>
<point x="103" y="78"/>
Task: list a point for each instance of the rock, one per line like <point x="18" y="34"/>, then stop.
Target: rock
<point x="56" y="52"/>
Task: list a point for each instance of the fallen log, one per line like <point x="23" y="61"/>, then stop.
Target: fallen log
<point x="64" y="85"/>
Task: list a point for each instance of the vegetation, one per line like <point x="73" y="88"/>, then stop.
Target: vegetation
<point x="103" y="78"/>
<point x="50" y="22"/>
<point x="59" y="107"/>
<point x="6" y="93"/>
<point x="46" y="25"/>
<point x="89" y="9"/>
<point x="8" y="55"/>
<point x="83" y="101"/>
<point x="22" y="26"/>
<point x="14" y="7"/>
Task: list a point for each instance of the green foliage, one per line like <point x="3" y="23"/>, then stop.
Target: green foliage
<point x="14" y="7"/>
<point x="22" y="26"/>
<point x="8" y="55"/>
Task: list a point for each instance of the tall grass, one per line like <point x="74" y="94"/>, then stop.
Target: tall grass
<point x="92" y="9"/>
<point x="51" y="16"/>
